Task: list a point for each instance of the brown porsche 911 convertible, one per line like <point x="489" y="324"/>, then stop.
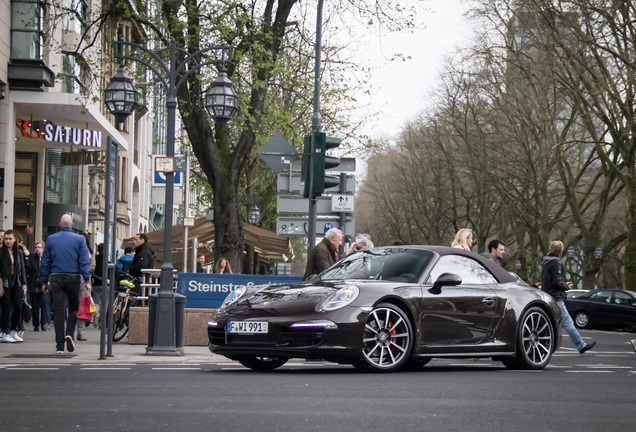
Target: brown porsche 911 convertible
<point x="390" y="307"/>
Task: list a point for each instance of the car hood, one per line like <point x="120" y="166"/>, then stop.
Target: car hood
<point x="283" y="298"/>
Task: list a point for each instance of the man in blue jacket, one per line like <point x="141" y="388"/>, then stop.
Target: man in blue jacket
<point x="65" y="262"/>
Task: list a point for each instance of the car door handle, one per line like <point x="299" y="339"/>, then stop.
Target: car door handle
<point x="488" y="301"/>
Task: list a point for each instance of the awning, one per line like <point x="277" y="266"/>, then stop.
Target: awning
<point x="266" y="243"/>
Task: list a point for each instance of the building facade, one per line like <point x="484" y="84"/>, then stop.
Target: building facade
<point x="54" y="127"/>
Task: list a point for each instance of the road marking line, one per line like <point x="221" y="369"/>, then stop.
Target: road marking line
<point x="105" y="368"/>
<point x="589" y="371"/>
<point x="473" y="364"/>
<point x="34" y="368"/>
<point x="605" y="367"/>
<point x="176" y="368"/>
<point x="107" y="364"/>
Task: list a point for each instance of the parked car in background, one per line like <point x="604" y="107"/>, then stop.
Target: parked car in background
<point x="604" y="308"/>
<point x="389" y="307"/>
<point x="574" y="293"/>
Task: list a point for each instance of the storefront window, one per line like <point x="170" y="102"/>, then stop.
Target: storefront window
<point x="26" y="30"/>
<point x="61" y="184"/>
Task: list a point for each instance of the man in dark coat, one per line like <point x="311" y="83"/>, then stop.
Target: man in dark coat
<point x="324" y="254"/>
<point x="144" y="257"/>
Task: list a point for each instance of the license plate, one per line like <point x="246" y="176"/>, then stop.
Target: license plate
<point x="247" y="327"/>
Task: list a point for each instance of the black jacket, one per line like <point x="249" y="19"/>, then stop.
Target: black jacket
<point x="32" y="264"/>
<point x="21" y="276"/>
<point x="97" y="273"/>
<point x="552" y="278"/>
<point x="144" y="259"/>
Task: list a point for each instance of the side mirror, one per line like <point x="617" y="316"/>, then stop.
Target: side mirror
<point x="445" y="279"/>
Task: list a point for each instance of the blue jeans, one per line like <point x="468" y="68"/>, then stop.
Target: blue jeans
<point x="569" y="327"/>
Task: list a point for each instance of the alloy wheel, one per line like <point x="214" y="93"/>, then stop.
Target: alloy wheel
<point x="386" y="344"/>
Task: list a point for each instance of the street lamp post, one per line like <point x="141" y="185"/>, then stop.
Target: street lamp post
<point x="221" y="102"/>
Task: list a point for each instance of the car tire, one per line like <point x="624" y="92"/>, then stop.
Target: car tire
<point x="536" y="341"/>
<point x="262" y="363"/>
<point x="582" y="320"/>
<point x="387" y="339"/>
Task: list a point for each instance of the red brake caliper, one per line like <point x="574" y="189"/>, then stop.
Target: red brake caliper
<point x="393" y="332"/>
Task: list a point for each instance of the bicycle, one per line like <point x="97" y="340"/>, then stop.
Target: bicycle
<point x="126" y="297"/>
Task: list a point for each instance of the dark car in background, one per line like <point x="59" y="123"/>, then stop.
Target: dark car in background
<point x="389" y="307"/>
<point x="574" y="293"/>
<point x="604" y="308"/>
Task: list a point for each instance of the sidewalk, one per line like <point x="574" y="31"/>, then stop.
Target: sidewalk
<point x="39" y="348"/>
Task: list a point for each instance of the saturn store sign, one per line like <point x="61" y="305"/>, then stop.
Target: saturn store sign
<point x="61" y="134"/>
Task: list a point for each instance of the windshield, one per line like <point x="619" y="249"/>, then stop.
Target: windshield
<point x="394" y="264"/>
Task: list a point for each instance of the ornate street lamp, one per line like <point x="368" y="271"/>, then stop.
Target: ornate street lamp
<point x="598" y="253"/>
<point x="121" y="97"/>
<point x="221" y="99"/>
<point x="254" y="215"/>
<point x="571" y="252"/>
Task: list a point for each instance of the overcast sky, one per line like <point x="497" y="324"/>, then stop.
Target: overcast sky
<point x="402" y="87"/>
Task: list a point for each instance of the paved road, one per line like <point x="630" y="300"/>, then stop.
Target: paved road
<point x="591" y="392"/>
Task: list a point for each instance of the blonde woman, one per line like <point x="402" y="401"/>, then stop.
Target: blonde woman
<point x="463" y="239"/>
<point x="361" y="243"/>
<point x="223" y="266"/>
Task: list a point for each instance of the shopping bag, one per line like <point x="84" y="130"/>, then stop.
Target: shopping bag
<point x="84" y="311"/>
<point x="93" y="310"/>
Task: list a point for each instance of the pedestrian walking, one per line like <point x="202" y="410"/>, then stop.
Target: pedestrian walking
<point x="33" y="263"/>
<point x="65" y="265"/>
<point x="324" y="254"/>
<point x="552" y="283"/>
<point x="84" y="318"/>
<point x="14" y="287"/>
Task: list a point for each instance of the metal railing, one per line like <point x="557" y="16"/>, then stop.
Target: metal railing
<point x="150" y="284"/>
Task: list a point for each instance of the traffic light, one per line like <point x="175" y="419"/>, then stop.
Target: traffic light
<point x="321" y="163"/>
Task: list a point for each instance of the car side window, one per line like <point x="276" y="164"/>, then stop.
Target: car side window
<point x="471" y="271"/>
<point x="601" y="296"/>
<point x="622" y="298"/>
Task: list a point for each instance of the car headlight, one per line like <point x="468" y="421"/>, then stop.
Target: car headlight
<point x="233" y="296"/>
<point x="340" y="298"/>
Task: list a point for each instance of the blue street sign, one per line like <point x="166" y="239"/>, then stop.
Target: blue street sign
<point x="160" y="179"/>
<point x="208" y="290"/>
<point x="328" y="226"/>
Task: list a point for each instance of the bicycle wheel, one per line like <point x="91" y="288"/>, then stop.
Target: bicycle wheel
<point x="120" y="325"/>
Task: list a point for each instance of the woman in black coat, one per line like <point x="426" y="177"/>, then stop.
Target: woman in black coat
<point x="14" y="283"/>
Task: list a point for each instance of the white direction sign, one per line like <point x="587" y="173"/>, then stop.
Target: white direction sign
<point x="296" y="226"/>
<point x="342" y="203"/>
